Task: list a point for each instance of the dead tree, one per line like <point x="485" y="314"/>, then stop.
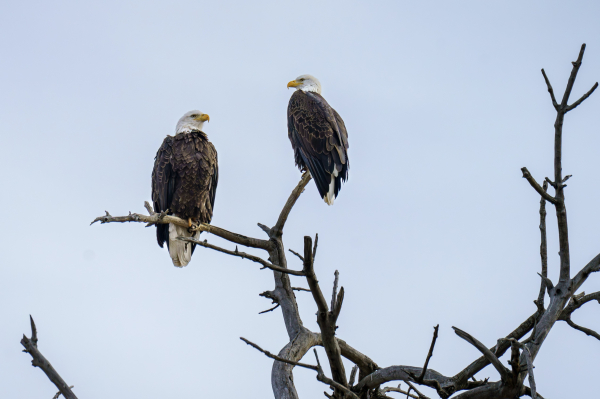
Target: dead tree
<point x="369" y="383"/>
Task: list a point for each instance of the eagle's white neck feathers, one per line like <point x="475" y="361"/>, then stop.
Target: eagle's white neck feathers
<point x="308" y="83"/>
<point x="188" y="127"/>
<point x="189" y="122"/>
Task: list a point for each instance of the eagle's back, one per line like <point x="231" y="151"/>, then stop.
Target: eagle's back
<point x="319" y="139"/>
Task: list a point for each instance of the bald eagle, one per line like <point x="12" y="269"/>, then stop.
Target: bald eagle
<point x="184" y="182"/>
<point x="318" y="136"/>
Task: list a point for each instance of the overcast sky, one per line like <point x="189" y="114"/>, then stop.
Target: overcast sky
<point x="444" y="103"/>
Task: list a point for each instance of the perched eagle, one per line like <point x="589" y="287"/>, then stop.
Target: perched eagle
<point x="184" y="182"/>
<point x="318" y="136"/>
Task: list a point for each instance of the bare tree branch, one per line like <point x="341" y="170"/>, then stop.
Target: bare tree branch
<point x="265" y="229"/>
<point x="592" y="267"/>
<point x="543" y="240"/>
<point x="40" y="361"/>
<point x="583" y="98"/>
<point x="561" y="212"/>
<point x="550" y="90"/>
<point x="269" y="310"/>
<point x="504" y="373"/>
<point x="584" y="330"/>
<point x="529" y="362"/>
<point x="576" y="302"/>
<point x="527" y="391"/>
<point x="60" y="393"/>
<point x="297" y="254"/>
<point x="421" y="396"/>
<point x="400" y="373"/>
<point x="325" y="319"/>
<point x="537" y="187"/>
<point x="335" y="285"/>
<point x="498" y="350"/>
<point x="300" y="289"/>
<point x="547" y="283"/>
<point x="149" y="208"/>
<point x="571" y="82"/>
<point x="399" y="390"/>
<point x="277" y="230"/>
<point x="243" y="255"/>
<point x="321" y="377"/>
<point x="419" y="379"/>
<point x="353" y="375"/>
<point x="163" y="218"/>
<point x="365" y="364"/>
<point x="278" y="358"/>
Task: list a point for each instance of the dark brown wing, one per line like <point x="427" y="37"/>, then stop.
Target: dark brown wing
<point x="214" y="180"/>
<point x="319" y="139"/>
<point x="185" y="179"/>
<point x="164" y="182"/>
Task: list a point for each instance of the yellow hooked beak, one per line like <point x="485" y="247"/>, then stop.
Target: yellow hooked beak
<point x="203" y="118"/>
<point x="293" y="83"/>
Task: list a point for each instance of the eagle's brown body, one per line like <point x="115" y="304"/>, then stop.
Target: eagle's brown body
<point x="320" y="141"/>
<point x="184" y="181"/>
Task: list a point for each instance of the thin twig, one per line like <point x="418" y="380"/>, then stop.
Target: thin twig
<point x="550" y="90"/>
<point x="277" y="230"/>
<point x="547" y="283"/>
<point x="300" y="289"/>
<point x="265" y="228"/>
<point x="543" y="246"/>
<point x="584" y="330"/>
<point x="578" y="301"/>
<point x="60" y="393"/>
<point x="498" y="349"/>
<point x="583" y="98"/>
<point x="326" y="380"/>
<point x="421" y="395"/>
<point x="269" y="310"/>
<point x="325" y="319"/>
<point x="592" y="267"/>
<point x="537" y="187"/>
<point x="280" y="359"/>
<point x="243" y="255"/>
<point x="297" y="254"/>
<point x="529" y="362"/>
<point x="353" y="375"/>
<point x="162" y="218"/>
<point x="399" y="390"/>
<point x="335" y="285"/>
<point x="30" y="345"/>
<point x="571" y="82"/>
<point x="149" y="208"/>
<point x="504" y="373"/>
<point x="419" y="379"/>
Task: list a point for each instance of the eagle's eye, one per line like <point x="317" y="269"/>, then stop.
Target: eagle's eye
<point x="194" y="116"/>
<point x="301" y="79"/>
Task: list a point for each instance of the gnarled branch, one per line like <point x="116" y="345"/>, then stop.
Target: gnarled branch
<point x="503" y="371"/>
<point x="30" y="345"/>
<point x="243" y="255"/>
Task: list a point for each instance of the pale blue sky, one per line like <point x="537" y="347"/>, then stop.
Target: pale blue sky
<point x="444" y="103"/>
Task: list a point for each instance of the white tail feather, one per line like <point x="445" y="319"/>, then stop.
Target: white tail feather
<point x="330" y="196"/>
<point x="180" y="251"/>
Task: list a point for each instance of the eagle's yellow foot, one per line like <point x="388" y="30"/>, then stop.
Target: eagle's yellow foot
<point x="189" y="222"/>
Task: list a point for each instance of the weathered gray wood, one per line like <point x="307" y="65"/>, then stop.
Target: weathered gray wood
<point x="30" y="345"/>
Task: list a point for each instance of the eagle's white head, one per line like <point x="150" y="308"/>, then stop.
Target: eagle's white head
<point x="192" y="120"/>
<point x="306" y="83"/>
